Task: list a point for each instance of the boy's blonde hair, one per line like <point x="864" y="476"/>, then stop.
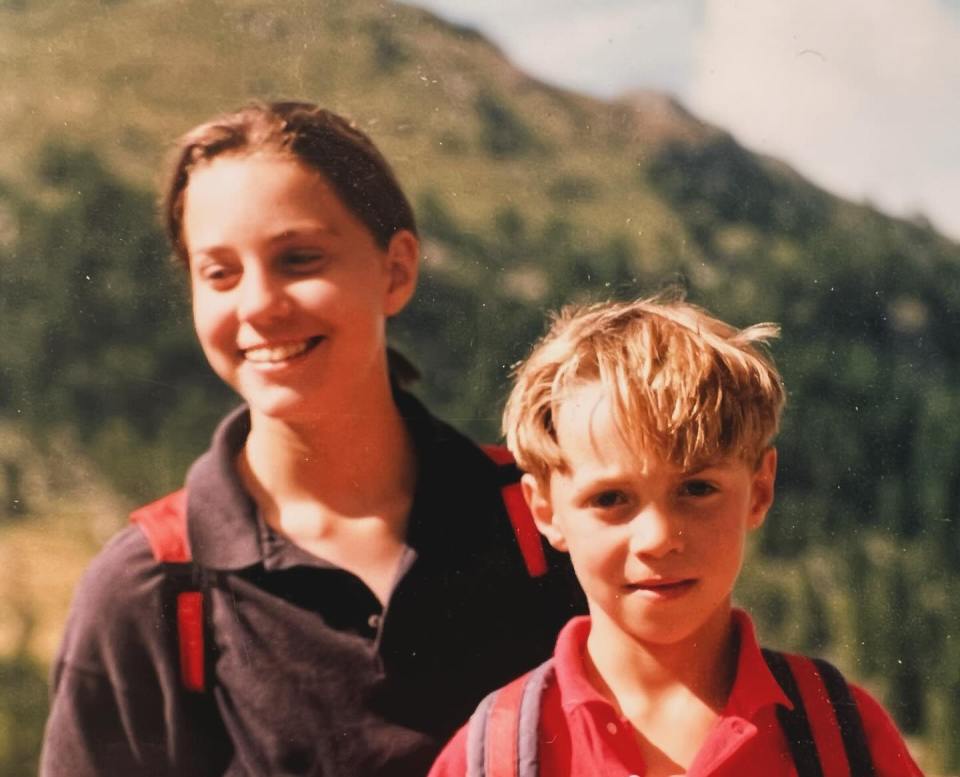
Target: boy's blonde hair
<point x="684" y="386"/>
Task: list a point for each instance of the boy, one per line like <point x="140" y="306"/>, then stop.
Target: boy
<point x="645" y="433"/>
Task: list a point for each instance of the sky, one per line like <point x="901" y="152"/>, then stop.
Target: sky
<point x="861" y="96"/>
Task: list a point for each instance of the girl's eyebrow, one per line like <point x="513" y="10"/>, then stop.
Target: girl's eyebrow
<point x="307" y="230"/>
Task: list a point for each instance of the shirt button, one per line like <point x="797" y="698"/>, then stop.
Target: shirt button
<point x="374" y="621"/>
<point x="612" y="727"/>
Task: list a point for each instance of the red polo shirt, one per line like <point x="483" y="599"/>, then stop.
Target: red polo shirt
<point x="582" y="734"/>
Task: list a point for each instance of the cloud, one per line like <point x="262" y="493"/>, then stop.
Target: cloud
<point x="604" y="47"/>
<point x="860" y="95"/>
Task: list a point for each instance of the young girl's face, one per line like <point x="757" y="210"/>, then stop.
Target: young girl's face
<point x="290" y="290"/>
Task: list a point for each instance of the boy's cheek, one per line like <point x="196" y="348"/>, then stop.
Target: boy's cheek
<point x="556" y="539"/>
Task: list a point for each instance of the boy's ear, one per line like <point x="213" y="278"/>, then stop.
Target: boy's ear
<point x="762" y="488"/>
<point x="538" y="500"/>
<point x="402" y="266"/>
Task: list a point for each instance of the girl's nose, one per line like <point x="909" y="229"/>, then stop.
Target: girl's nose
<point x="655" y="532"/>
<point x="260" y="297"/>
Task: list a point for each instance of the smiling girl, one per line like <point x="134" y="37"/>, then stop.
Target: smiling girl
<point x="361" y="583"/>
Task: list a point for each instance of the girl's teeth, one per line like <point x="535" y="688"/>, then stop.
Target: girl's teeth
<point x="275" y="353"/>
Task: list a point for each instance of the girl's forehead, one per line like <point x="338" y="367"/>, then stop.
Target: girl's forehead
<point x="266" y="178"/>
<point x="240" y="198"/>
<point x="253" y="160"/>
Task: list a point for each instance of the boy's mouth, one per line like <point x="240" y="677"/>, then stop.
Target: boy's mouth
<point x="280" y="353"/>
<point x="663" y="588"/>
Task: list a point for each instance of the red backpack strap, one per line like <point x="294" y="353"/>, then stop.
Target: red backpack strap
<point x="824" y="729"/>
<point x="164" y="522"/>
<point x="524" y="529"/>
<point x="503" y="733"/>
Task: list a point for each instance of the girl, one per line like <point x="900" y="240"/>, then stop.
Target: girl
<point x="361" y="582"/>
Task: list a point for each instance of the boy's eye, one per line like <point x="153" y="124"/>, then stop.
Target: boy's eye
<point x="608" y="499"/>
<point x="697" y="488"/>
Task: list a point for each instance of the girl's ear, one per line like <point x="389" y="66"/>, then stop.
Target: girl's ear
<point x="402" y="264"/>
<point x="762" y="488"/>
<point x="538" y="500"/>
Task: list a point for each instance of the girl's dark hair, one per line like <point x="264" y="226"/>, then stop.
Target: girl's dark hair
<point x="314" y="137"/>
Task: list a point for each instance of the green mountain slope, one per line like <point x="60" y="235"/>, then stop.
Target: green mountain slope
<point x="528" y="197"/>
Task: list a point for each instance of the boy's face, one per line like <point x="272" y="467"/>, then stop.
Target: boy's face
<point x="657" y="550"/>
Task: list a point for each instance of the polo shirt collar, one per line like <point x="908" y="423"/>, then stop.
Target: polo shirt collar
<point x="222" y="523"/>
<point x="226" y="533"/>
<point x="754" y="686"/>
<point x="575" y="688"/>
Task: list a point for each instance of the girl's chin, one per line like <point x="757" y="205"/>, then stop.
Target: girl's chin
<point x="282" y="405"/>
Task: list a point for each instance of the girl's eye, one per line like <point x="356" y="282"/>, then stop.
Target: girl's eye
<point x="216" y="274"/>
<point x="697" y="488"/>
<point x="302" y="260"/>
<point x="606" y="500"/>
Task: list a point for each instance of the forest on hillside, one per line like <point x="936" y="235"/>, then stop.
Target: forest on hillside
<point x="859" y="558"/>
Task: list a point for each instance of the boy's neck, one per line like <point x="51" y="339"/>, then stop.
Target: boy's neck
<point x="637" y="676"/>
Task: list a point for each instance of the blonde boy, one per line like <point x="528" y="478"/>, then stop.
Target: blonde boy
<point x="645" y="431"/>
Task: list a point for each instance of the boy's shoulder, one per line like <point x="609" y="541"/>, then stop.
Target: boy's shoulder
<point x="828" y="725"/>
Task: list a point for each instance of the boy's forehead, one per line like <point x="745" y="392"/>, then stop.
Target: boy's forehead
<point x="586" y="423"/>
<point x="587" y="429"/>
<point x="580" y="408"/>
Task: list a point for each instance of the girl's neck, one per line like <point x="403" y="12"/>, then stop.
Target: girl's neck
<point x="347" y="460"/>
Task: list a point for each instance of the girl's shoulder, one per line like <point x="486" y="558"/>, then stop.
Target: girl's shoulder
<point x="117" y="604"/>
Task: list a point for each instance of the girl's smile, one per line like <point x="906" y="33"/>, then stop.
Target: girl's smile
<point x="279" y="355"/>
<point x="291" y="292"/>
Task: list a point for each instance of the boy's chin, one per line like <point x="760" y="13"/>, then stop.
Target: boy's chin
<point x="667" y="630"/>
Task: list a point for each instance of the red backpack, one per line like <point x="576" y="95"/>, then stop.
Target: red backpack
<point x="824" y="729"/>
<point x="164" y="522"/>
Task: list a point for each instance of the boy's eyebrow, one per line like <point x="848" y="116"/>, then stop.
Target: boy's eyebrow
<point x="597" y="482"/>
<point x="716" y="463"/>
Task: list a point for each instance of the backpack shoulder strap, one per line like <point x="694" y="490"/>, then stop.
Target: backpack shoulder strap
<point x="503" y="733"/>
<point x="524" y="529"/>
<point x="848" y="719"/>
<point x="824" y="730"/>
<point x="164" y="522"/>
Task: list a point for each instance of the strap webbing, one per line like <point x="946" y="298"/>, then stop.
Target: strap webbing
<point x="524" y="528"/>
<point x="820" y="716"/>
<point x="531" y="706"/>
<point x="190" y="636"/>
<point x="503" y="726"/>
<point x="164" y="522"/>
<point x="795" y="725"/>
<point x="503" y="734"/>
<point x="848" y="719"/>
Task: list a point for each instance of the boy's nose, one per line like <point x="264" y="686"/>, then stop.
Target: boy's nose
<point x="654" y="532"/>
